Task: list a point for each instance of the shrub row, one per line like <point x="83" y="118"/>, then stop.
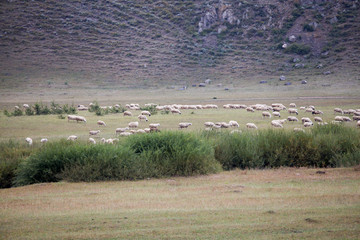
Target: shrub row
<point x="168" y="154"/>
<point x="41" y="109"/>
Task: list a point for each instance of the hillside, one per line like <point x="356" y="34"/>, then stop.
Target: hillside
<point x="153" y="43"/>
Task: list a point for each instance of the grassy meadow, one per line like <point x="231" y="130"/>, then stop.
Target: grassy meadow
<point x="285" y="203"/>
<point x="280" y="203"/>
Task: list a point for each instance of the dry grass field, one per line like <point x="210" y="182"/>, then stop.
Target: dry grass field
<point x="284" y="203"/>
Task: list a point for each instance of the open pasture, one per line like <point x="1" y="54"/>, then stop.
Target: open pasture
<point x="285" y="203"/>
<point x="52" y="127"/>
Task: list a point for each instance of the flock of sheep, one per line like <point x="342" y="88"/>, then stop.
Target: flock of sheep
<point x="275" y="111"/>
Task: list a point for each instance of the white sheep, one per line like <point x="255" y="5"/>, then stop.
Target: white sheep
<point x="127" y="113"/>
<point x="233" y="123"/>
<point x="147" y="130"/>
<point x="250" y="109"/>
<point x="82" y="108"/>
<point x="292" y="119"/>
<point x="76" y="118"/>
<point x="302" y="108"/>
<point x="91" y="140"/>
<point x="174" y="110"/>
<point x="120" y="130"/>
<point x="309" y="110"/>
<point x="146" y="113"/>
<point x="101" y="123"/>
<point x="276" y="114"/>
<point x="292" y="105"/>
<point x="154" y="126"/>
<point x="142" y="117"/>
<point x="26" y="105"/>
<point x="29" y="141"/>
<point x="276" y="123"/>
<point x="133" y="124"/>
<point x="358" y="123"/>
<point x="184" y="125"/>
<point x="305" y="119"/>
<point x="44" y="140"/>
<point x="299" y="130"/>
<point x="94" y="132"/>
<point x="140" y="131"/>
<point x="338" y="110"/>
<point x="17" y="107"/>
<point x="356" y="118"/>
<point x="282" y="121"/>
<point x="357" y="113"/>
<point x="251" y="125"/>
<point x="125" y="134"/>
<point x="318" y="119"/>
<point x="293" y="110"/>
<point x="346" y="119"/>
<point x="339" y="118"/>
<point x="266" y="114"/>
<point x="209" y="124"/>
<point x="308" y="124"/>
<point x="72" y="138"/>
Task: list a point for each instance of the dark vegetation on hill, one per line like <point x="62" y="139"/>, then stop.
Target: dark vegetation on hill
<point x="155" y="42"/>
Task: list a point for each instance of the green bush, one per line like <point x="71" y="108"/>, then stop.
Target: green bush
<point x="308" y="28"/>
<point x="325" y="146"/>
<point x="141" y="156"/>
<point x="11" y="154"/>
<point x="301" y="49"/>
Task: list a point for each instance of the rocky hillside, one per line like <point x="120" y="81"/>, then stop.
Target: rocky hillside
<point x="156" y="42"/>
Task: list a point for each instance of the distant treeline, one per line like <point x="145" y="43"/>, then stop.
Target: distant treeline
<point x="41" y="109"/>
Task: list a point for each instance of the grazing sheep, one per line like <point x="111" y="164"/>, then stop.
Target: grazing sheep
<point x="338" y="110"/>
<point x="266" y="114"/>
<point x="233" y="123"/>
<point x="309" y="110"/>
<point x="94" y="132"/>
<point x="26" y="105"/>
<point x="82" y="108"/>
<point x="292" y="119"/>
<point x="127" y="113"/>
<point x="251" y="125"/>
<point x="120" y="130"/>
<point x="317" y="112"/>
<point x="142" y="117"/>
<point x="17" y="107"/>
<point x="154" y="126"/>
<point x="302" y="108"/>
<point x="133" y="124"/>
<point x="44" y="140"/>
<point x="282" y="121"/>
<point x="109" y="141"/>
<point x="305" y="119"/>
<point x="147" y="130"/>
<point x="346" y="119"/>
<point x="356" y="118"/>
<point x="250" y="109"/>
<point x="101" y="123"/>
<point x="293" y="110"/>
<point x="339" y="118"/>
<point x="76" y="118"/>
<point x="277" y="109"/>
<point x="276" y="123"/>
<point x="140" y="131"/>
<point x="276" y="114"/>
<point x="209" y="124"/>
<point x="318" y="119"/>
<point x="357" y="113"/>
<point x="174" y="110"/>
<point x="308" y="124"/>
<point x="292" y="105"/>
<point x="125" y="134"/>
<point x="146" y="113"/>
<point x="29" y="141"/>
<point x="299" y="130"/>
<point x="91" y="140"/>
<point x="72" y="138"/>
<point x="184" y="125"/>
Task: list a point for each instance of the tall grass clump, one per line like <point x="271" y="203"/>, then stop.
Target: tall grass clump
<point x="174" y="154"/>
<point x="70" y="161"/>
<point x="11" y="155"/>
<point x="138" y="157"/>
<point x="324" y="146"/>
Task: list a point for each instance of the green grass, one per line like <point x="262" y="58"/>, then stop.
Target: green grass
<point x="262" y="204"/>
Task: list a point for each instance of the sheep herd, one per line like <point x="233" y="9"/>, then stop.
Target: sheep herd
<point x="267" y="111"/>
